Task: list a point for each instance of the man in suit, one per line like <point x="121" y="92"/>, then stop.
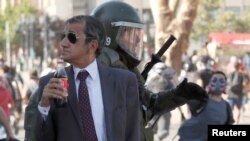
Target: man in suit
<point x="113" y="93"/>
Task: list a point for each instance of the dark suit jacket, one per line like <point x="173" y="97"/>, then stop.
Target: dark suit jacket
<point x="121" y="108"/>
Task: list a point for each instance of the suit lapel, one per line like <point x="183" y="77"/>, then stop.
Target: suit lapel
<point x="72" y="98"/>
<point x="108" y="98"/>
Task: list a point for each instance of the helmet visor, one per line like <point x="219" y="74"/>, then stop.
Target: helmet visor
<point x="130" y="40"/>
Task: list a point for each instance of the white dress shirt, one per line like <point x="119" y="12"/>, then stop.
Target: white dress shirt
<point x="95" y="96"/>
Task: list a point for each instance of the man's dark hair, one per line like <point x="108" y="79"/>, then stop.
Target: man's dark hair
<point x="93" y="30"/>
<point x="219" y="72"/>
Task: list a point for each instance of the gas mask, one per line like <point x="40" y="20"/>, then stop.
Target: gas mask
<point x="217" y="84"/>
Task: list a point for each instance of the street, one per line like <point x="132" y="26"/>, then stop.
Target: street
<point x="175" y="123"/>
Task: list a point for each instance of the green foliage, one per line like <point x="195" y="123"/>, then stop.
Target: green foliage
<point x="2" y="32"/>
<point x="12" y="14"/>
<point x="212" y="18"/>
<point x="205" y="18"/>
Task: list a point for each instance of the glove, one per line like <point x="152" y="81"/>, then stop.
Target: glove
<point x="196" y="107"/>
<point x="166" y="101"/>
<point x="197" y="96"/>
<point x="191" y="91"/>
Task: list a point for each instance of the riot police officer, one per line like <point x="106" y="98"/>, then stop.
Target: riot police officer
<point x="123" y="48"/>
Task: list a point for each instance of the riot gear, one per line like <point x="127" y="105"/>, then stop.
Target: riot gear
<point x="123" y="28"/>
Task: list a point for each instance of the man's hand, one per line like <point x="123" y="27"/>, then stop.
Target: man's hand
<point x="189" y="90"/>
<point x="54" y="89"/>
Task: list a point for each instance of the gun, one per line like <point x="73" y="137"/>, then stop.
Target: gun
<point x="155" y="58"/>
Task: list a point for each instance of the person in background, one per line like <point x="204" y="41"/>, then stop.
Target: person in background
<point x="6" y="125"/>
<point x="204" y="70"/>
<point x="5" y="104"/>
<point x="216" y="112"/>
<point x="188" y="71"/>
<point x="160" y="78"/>
<point x="16" y="86"/>
<point x="112" y="110"/>
<point x="200" y="77"/>
<point x="231" y="64"/>
<point x="237" y="81"/>
<point x="194" y="57"/>
<point x="6" y="101"/>
<point x="31" y="85"/>
<point x="246" y="61"/>
<point x="49" y="69"/>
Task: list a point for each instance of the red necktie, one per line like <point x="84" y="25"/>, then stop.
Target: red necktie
<point x="85" y="108"/>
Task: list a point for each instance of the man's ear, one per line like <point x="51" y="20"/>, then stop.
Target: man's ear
<point x="93" y="45"/>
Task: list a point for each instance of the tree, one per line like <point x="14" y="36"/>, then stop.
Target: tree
<point x="204" y="21"/>
<point x="12" y="15"/>
<point x="174" y="17"/>
<point x="213" y="18"/>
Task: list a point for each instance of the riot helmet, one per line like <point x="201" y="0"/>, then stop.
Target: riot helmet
<point x="124" y="30"/>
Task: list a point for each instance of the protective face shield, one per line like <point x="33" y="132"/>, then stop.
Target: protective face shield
<point x="217" y="84"/>
<point x="129" y="38"/>
<point x="123" y="28"/>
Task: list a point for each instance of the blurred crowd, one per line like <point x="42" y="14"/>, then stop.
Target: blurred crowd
<point x="15" y="91"/>
<point x="198" y="67"/>
<point x="228" y="86"/>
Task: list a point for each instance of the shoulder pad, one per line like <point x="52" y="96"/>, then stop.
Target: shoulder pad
<point x="108" y="56"/>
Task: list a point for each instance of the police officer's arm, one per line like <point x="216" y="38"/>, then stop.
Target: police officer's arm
<point x="166" y="101"/>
